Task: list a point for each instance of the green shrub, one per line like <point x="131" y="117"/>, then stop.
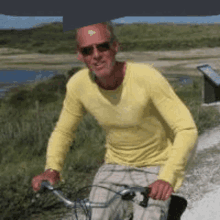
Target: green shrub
<point x="58" y="77"/>
<point x="4" y="41"/>
<point x="26" y="98"/>
<point x="44" y="97"/>
<point x="57" y="84"/>
<point x="21" y="99"/>
<point x="15" y="197"/>
<point x="18" y="201"/>
<point x="44" y="50"/>
<point x="72" y="71"/>
<point x="52" y="86"/>
<point x="37" y="44"/>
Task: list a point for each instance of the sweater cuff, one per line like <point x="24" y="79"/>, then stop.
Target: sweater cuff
<point x="168" y="176"/>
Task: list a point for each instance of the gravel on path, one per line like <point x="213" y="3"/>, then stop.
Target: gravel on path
<point x="208" y="208"/>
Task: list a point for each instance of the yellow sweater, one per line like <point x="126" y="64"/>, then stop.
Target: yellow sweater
<point x="146" y="124"/>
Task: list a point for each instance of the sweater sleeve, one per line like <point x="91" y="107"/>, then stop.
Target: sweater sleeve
<point x="180" y="120"/>
<point x="65" y="130"/>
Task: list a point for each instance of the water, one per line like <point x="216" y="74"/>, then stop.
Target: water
<point x="13" y="78"/>
<point x="185" y="80"/>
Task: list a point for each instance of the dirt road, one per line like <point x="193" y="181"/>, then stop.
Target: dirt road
<point x="168" y="62"/>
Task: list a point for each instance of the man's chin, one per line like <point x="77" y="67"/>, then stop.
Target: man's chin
<point x="102" y="73"/>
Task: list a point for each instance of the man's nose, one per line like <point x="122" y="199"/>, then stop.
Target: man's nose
<point x="96" y="52"/>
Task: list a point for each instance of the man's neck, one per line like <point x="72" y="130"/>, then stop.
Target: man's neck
<point x="115" y="79"/>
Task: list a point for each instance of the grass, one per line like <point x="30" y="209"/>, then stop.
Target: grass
<point x="178" y="68"/>
<point x="42" y="63"/>
<point x="50" y="38"/>
<point x="26" y="126"/>
<point x="188" y="58"/>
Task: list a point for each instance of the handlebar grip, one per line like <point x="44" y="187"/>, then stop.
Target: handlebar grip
<point x="146" y="191"/>
<point x="146" y="198"/>
<point x="47" y="185"/>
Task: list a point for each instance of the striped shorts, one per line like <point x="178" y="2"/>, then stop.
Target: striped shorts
<point x="114" y="176"/>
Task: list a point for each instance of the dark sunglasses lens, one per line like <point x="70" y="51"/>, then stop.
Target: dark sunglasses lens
<point x="87" y="51"/>
<point x="103" y="47"/>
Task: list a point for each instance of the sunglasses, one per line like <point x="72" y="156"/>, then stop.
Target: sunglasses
<point x="86" y="51"/>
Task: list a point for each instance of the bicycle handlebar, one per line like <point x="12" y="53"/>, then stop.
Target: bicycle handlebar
<point x="126" y="193"/>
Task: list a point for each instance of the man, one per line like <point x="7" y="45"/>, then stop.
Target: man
<point x="149" y="131"/>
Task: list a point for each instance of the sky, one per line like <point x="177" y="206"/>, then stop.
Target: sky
<point x="17" y="22"/>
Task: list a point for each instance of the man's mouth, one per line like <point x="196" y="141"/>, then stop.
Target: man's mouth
<point x="99" y="65"/>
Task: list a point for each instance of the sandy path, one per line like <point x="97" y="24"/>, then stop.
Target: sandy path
<point x="205" y="209"/>
<point x="208" y="207"/>
<point x="20" y="59"/>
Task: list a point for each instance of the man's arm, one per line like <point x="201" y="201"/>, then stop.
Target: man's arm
<point x="178" y="117"/>
<point x="65" y="129"/>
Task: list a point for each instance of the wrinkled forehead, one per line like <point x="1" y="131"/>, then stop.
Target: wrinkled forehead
<point x="93" y="34"/>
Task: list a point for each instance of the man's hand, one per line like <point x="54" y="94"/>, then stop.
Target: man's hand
<point x="50" y="175"/>
<point x="160" y="190"/>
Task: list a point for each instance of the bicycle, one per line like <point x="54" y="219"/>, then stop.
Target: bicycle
<point x="177" y="206"/>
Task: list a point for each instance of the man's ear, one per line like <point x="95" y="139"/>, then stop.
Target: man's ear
<point x="115" y="46"/>
<point x="80" y="57"/>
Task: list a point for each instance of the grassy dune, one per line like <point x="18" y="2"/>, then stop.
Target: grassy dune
<point x="50" y="38"/>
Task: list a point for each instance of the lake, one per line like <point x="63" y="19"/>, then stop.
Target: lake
<point x="14" y="78"/>
<point x="185" y="80"/>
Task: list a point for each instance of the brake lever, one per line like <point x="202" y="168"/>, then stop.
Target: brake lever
<point x="145" y="194"/>
<point x="129" y="196"/>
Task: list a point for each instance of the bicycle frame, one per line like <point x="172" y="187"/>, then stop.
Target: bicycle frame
<point x="177" y="206"/>
<point x="126" y="193"/>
